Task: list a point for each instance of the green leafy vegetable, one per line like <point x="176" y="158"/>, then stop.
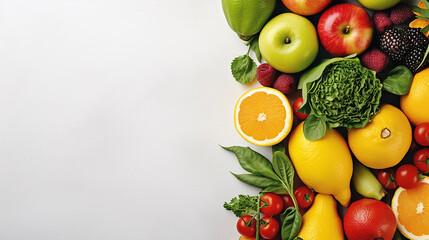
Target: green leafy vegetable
<point x="314" y="128"/>
<point x="276" y="177"/>
<point x="243" y="205"/>
<point x="255" y="180"/>
<point x="243" y="68"/>
<point x="398" y="81"/>
<point x="341" y="93"/>
<point x="278" y="147"/>
<point x="253" y="162"/>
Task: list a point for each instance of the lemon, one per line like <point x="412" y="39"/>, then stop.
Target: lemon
<point x="321" y="221"/>
<point x="415" y="104"/>
<point x="384" y="141"/>
<point x="324" y="165"/>
<point x="247" y="17"/>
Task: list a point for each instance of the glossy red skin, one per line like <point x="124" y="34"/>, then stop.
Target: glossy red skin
<point x="421" y="160"/>
<point x="287" y="201"/>
<point x="297" y="105"/>
<point x="271" y="230"/>
<point x="306" y="7"/>
<point x="369" y="219"/>
<point x="333" y="23"/>
<point x="383" y="178"/>
<point x="243" y="229"/>
<point x="407" y="176"/>
<point x="275" y="204"/>
<point x="300" y="194"/>
<point x="421" y="134"/>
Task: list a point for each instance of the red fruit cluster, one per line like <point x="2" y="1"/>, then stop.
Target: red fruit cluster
<point x="269" y="77"/>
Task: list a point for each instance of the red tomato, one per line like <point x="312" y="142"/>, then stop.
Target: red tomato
<point x="246" y="227"/>
<point x="304" y="196"/>
<point x="287" y="201"/>
<point x="407" y="176"/>
<point x="269" y="227"/>
<point x="387" y="178"/>
<point x="271" y="204"/>
<point x="421" y="134"/>
<point x="421" y="160"/>
<point x="297" y="105"/>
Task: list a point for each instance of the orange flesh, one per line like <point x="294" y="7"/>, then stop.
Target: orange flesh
<point x="270" y="111"/>
<point x="409" y="203"/>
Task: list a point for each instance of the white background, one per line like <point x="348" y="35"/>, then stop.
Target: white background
<point x="111" y="116"/>
<point x="111" y="112"/>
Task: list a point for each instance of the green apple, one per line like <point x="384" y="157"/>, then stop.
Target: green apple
<point x="288" y="42"/>
<point x="378" y="4"/>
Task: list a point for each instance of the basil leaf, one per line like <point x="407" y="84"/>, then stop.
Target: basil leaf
<point x="255" y="180"/>
<point x="276" y="188"/>
<point x="284" y="168"/>
<point x="278" y="147"/>
<point x="291" y="223"/>
<point x="398" y="80"/>
<point x="253" y="162"/>
<point x="243" y="69"/>
<point x="254" y="45"/>
<point x="314" y="128"/>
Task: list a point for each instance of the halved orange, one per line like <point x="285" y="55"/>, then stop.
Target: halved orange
<point x="263" y="116"/>
<point x="411" y="209"/>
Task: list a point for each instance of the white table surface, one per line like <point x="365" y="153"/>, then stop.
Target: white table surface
<point x="111" y="112"/>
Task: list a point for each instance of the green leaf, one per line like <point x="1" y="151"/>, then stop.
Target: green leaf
<point x="291" y="223"/>
<point x="276" y="188"/>
<point x="243" y="205"/>
<point x="420" y="17"/>
<point x="253" y="162"/>
<point x="254" y="45"/>
<point x="398" y="80"/>
<point x="279" y="147"/>
<point x="243" y="69"/>
<point x="424" y="12"/>
<point x="314" y="128"/>
<point x="426" y="3"/>
<point x="255" y="180"/>
<point x="284" y="168"/>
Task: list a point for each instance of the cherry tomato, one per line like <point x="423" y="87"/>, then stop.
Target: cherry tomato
<point x="421" y="160"/>
<point x="421" y="134"/>
<point x="287" y="201"/>
<point x="246" y="227"/>
<point x="271" y="204"/>
<point x="407" y="176"/>
<point x="387" y="178"/>
<point x="269" y="227"/>
<point x="296" y="105"/>
<point x="304" y="196"/>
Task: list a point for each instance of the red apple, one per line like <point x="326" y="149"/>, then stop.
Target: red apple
<point x="306" y="7"/>
<point x="345" y="29"/>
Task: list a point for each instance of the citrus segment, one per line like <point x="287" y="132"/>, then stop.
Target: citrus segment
<point x="411" y="209"/>
<point x="263" y="116"/>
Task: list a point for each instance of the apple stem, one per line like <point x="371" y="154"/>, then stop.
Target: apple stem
<point x="287" y="41"/>
<point x="347" y="29"/>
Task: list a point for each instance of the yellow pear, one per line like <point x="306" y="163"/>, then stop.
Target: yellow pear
<point x="325" y="165"/>
<point x="321" y="221"/>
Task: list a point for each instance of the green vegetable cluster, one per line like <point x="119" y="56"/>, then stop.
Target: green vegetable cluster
<point x="346" y="95"/>
<point x="340" y="92"/>
<point x="274" y="177"/>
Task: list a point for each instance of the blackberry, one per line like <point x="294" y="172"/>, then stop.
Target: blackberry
<point x="395" y="44"/>
<point x="416" y="38"/>
<point x="414" y="58"/>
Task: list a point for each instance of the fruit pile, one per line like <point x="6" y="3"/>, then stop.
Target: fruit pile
<point x="352" y="115"/>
